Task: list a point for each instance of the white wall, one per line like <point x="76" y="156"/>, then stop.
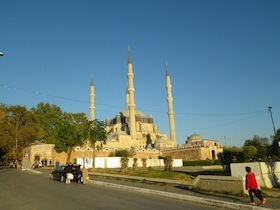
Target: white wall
<point x="268" y="173"/>
<point x="115" y="162"/>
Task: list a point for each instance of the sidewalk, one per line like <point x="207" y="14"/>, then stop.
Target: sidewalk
<point x="177" y="190"/>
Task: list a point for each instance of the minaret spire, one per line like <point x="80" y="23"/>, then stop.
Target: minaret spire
<point x="91" y="98"/>
<point x="166" y="69"/>
<point x="170" y="106"/>
<point x="130" y="97"/>
<point x="129" y="60"/>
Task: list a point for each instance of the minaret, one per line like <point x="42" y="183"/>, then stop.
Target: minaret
<point x="91" y="98"/>
<point x="126" y="98"/>
<point x="170" y="107"/>
<point x="130" y="90"/>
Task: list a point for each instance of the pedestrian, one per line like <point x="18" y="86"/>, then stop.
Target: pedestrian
<point x="68" y="173"/>
<point x="85" y="175"/>
<point x="252" y="186"/>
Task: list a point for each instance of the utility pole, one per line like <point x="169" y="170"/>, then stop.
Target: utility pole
<point x="269" y="109"/>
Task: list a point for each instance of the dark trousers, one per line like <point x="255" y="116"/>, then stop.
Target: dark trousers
<point x="257" y="193"/>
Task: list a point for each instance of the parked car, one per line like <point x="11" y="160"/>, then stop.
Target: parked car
<point x="60" y="174"/>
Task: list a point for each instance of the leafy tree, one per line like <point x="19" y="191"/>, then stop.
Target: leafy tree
<point x="274" y="150"/>
<point x="64" y="130"/>
<point x="250" y="152"/>
<point x="71" y="132"/>
<point x="18" y="127"/>
<point x="262" y="145"/>
<point x="232" y="155"/>
<point x="97" y="133"/>
<point x="50" y="116"/>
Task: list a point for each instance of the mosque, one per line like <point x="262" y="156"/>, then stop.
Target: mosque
<point x="130" y="128"/>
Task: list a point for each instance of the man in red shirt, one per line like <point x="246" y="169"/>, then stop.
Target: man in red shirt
<point x="252" y="186"/>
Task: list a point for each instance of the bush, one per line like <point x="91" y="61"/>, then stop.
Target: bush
<point x="124" y="163"/>
<point x="168" y="160"/>
<point x="200" y="163"/>
<point x="122" y="153"/>
<point x="125" y="153"/>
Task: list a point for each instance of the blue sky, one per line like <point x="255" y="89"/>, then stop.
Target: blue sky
<point x="223" y="58"/>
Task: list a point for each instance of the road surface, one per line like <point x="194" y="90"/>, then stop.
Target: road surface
<point x="22" y="190"/>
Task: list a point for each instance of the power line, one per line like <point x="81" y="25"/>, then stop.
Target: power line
<point x="122" y="107"/>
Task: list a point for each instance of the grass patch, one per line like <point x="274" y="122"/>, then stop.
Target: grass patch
<point x="149" y="173"/>
<point x="208" y="172"/>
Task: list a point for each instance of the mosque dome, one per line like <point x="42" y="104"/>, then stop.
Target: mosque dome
<point x="125" y="113"/>
<point x="194" y="138"/>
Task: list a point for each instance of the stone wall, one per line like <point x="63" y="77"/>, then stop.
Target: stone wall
<point x="269" y="172"/>
<point x="222" y="184"/>
<point x="193" y="153"/>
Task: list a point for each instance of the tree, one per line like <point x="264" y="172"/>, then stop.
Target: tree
<point x="50" y="116"/>
<point x="144" y="162"/>
<point x="97" y="133"/>
<point x="250" y="151"/>
<point x="232" y="155"/>
<point x="71" y="132"/>
<point x="64" y="130"/>
<point x="135" y="164"/>
<point x="124" y="163"/>
<point x="274" y="150"/>
<point x="260" y="143"/>
<point x="18" y="127"/>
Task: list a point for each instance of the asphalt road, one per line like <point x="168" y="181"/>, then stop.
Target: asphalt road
<point x="22" y="190"/>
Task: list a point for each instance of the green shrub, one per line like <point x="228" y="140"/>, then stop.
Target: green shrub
<point x="122" y="153"/>
<point x="200" y="162"/>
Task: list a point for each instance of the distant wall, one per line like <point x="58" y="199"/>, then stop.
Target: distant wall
<point x="268" y="172"/>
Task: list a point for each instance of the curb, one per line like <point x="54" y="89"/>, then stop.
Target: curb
<point x="33" y="171"/>
<point x="193" y="199"/>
